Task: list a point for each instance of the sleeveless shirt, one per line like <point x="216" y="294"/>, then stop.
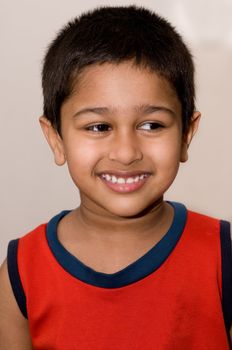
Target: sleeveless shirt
<point x="171" y="298"/>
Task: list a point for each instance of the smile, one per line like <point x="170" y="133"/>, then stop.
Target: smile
<point x="124" y="184"/>
<point x="123" y="180"/>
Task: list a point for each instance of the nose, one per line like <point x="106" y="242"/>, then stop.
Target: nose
<point x="125" y="148"/>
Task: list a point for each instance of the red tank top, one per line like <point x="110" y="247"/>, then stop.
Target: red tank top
<point x="169" y="299"/>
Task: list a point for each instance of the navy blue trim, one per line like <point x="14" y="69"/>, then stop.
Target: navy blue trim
<point x="139" y="269"/>
<point x="226" y="272"/>
<point x="12" y="264"/>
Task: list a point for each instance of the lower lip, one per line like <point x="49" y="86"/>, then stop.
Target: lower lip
<point x="125" y="188"/>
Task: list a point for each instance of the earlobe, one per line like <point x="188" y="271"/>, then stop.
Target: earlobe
<point x="54" y="140"/>
<point x="189" y="136"/>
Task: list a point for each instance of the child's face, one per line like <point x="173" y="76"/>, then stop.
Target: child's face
<point x="121" y="119"/>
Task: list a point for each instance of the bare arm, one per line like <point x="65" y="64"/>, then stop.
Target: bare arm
<point x="14" y="332"/>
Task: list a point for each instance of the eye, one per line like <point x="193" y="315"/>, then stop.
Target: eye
<point x="151" y="126"/>
<point x="98" y="128"/>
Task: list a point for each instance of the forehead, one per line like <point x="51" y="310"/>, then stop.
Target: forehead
<point x="121" y="86"/>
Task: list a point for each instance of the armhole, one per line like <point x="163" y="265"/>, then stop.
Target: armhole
<point x="13" y="271"/>
<point x="226" y="256"/>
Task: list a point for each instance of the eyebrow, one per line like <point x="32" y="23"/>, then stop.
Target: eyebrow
<point x="142" y="109"/>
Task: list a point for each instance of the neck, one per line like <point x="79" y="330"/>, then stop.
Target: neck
<point x="99" y="224"/>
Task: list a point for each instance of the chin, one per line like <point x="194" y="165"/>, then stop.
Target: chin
<point x="129" y="211"/>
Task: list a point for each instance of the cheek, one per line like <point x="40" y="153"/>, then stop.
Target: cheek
<point x="165" y="154"/>
<point x="81" y="155"/>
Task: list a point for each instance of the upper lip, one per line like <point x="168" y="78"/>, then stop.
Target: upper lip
<point x="118" y="173"/>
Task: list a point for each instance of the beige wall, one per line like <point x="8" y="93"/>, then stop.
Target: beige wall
<point x="32" y="188"/>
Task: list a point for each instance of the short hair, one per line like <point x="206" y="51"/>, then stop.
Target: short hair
<point x="115" y="35"/>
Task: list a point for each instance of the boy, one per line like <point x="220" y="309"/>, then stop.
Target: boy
<point x="126" y="269"/>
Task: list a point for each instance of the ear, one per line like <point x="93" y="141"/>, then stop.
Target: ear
<point x="54" y="140"/>
<point x="187" y="138"/>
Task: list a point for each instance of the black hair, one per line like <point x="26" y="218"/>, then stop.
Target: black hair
<point x="115" y="35"/>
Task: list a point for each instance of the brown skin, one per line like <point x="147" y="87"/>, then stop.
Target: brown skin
<point x="14" y="332"/>
<point x="128" y="145"/>
<point x="126" y="225"/>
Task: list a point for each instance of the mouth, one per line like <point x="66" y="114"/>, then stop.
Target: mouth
<point x="124" y="182"/>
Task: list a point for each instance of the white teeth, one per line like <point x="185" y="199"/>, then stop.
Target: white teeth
<point x="137" y="179"/>
<point x="130" y="180"/>
<point x="121" y="180"/>
<point x="108" y="177"/>
<point x="114" y="179"/>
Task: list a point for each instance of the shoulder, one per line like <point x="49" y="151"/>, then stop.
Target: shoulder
<point x="11" y="317"/>
<point x="34" y="234"/>
<point x="209" y="225"/>
<point x="212" y="227"/>
<point x="218" y="230"/>
<point x="20" y="253"/>
<point x="26" y="258"/>
<point x="203" y="220"/>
